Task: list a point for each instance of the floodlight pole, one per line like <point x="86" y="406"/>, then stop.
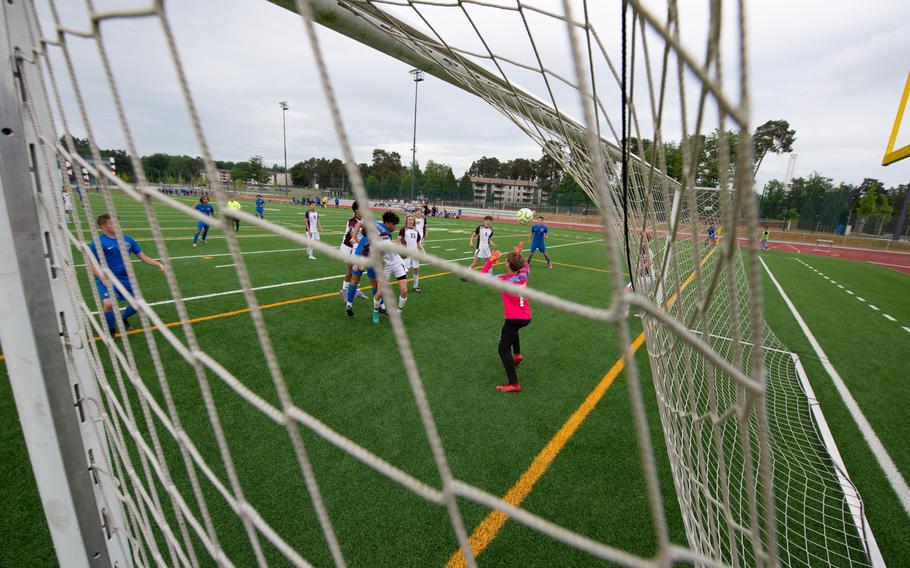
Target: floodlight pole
<point x="418" y="77"/>
<point x="284" y="133"/>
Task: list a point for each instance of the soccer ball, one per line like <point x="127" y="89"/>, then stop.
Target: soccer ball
<point x="524" y="216"/>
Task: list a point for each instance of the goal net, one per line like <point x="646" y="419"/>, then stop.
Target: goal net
<point x="602" y="87"/>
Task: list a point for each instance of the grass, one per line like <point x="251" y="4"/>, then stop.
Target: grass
<point x="349" y="374"/>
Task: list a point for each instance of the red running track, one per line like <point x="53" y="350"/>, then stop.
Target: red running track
<point x="899" y="261"/>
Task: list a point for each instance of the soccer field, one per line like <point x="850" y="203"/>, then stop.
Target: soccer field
<point x="557" y="448"/>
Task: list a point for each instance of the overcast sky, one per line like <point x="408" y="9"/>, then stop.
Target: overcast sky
<point x="834" y="69"/>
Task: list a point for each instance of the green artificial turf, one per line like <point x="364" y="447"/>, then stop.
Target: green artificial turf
<point x="349" y="374"/>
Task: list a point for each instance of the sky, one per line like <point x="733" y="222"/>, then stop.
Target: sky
<point x="834" y="69"/>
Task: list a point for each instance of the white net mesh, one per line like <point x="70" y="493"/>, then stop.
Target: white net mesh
<point x="753" y="478"/>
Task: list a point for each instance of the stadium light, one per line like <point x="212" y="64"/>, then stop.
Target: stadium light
<point x="418" y="77"/>
<point x="284" y="134"/>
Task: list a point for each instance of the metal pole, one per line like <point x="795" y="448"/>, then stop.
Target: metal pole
<point x="284" y="135"/>
<point x="418" y="77"/>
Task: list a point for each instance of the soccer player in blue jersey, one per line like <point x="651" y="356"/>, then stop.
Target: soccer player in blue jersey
<point x="201" y="227"/>
<point x="393" y="265"/>
<point x="260" y="206"/>
<point x="538" y="241"/>
<point x="115" y="263"/>
<point x="712" y="234"/>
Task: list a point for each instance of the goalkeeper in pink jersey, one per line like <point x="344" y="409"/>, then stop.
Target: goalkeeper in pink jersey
<point x="517" y="314"/>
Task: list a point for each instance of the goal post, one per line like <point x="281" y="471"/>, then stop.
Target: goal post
<point x="39" y="330"/>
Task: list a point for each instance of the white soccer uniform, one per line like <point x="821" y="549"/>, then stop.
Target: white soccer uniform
<point x="349" y="240"/>
<point x="392" y="263"/>
<point x="312" y="218"/>
<point x="67" y="202"/>
<point x="484" y="234"/>
<point x="420" y="223"/>
<point x="411" y="238"/>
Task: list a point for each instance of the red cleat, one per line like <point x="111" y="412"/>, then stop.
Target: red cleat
<point x="517" y="359"/>
<point x="509" y="388"/>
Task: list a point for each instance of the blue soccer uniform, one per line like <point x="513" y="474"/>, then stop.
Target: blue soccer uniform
<point x="116" y="265"/>
<point x="538" y="242"/>
<point x="712" y="233"/>
<point x="202" y="228"/>
<point x="260" y="207"/>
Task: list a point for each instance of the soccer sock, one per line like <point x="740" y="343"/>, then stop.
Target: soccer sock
<point x="416" y="280"/>
<point x="344" y="285"/>
<point x="195" y="237"/>
<point x="352" y="291"/>
<point x="377" y="303"/>
<point x="402" y="300"/>
<point x="111" y="321"/>
<point x="129" y="311"/>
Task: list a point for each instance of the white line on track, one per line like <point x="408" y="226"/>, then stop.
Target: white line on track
<point x="898" y="483"/>
<point x="886" y="316"/>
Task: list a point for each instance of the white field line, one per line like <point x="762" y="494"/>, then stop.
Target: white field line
<point x="226" y="265"/>
<point x="311" y="280"/>
<point x="887" y="317"/>
<point x="850" y="292"/>
<point x="905" y="328"/>
<point x="874" y="307"/>
<point x="860" y="299"/>
<point x="898" y="483"/>
<point x="220" y="254"/>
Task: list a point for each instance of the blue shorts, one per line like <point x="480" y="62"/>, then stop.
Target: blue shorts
<point x="542" y="247"/>
<point x="200" y="226"/>
<point x="370" y="273"/>
<point x="260" y="211"/>
<point x="105" y="293"/>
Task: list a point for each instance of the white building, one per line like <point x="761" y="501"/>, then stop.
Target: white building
<point x="499" y="190"/>
<point x="224" y="176"/>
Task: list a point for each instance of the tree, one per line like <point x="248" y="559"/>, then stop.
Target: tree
<point x="465" y="188"/>
<point x="385" y="163"/>
<point x="774" y="136"/>
<point x="549" y="167"/>
<point x="486" y="167"/>
<point x="373" y="186"/>
<point x="708" y="172"/>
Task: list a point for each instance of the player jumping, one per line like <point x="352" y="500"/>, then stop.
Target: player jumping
<point x="410" y="237"/>
<point x="201" y="227"/>
<point x="483" y="235"/>
<point x="348" y="243"/>
<point x="115" y="263"/>
<point x="313" y="227"/>
<point x="538" y="241"/>
<point x="517" y="314"/>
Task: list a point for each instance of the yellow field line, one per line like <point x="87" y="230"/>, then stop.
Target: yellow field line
<point x="489" y="527"/>
<point x="580" y="267"/>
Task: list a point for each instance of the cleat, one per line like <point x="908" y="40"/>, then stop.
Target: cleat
<point x="509" y="388"/>
<point x="127" y="326"/>
<point x="382" y="311"/>
<point x="517" y="359"/>
<point x="417" y="289"/>
<point x="195" y="245"/>
<point x="361" y="295"/>
<point x="375" y="316"/>
<point x="549" y="265"/>
<point x="312" y="258"/>
<point x="349" y="309"/>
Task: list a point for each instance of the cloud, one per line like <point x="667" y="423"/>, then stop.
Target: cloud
<point x="828" y="68"/>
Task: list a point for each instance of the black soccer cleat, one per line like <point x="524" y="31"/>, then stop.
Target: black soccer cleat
<point x="349" y="309"/>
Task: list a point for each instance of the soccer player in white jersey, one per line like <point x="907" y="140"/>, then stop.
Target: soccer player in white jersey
<point x="420" y="223"/>
<point x="410" y="237"/>
<point x="644" y="277"/>
<point x="313" y="227"/>
<point x="482" y="241"/>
